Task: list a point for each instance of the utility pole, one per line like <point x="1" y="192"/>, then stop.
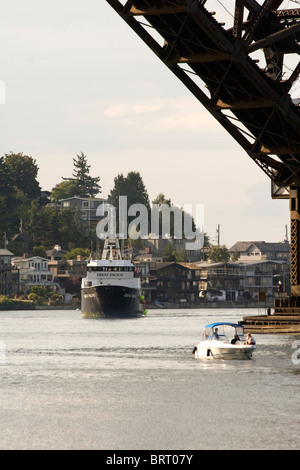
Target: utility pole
<point x="286" y="233"/>
<point x="218" y="234"/>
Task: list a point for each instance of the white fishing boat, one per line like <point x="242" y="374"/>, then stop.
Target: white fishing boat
<point x="112" y="287"/>
<point x="224" y="340"/>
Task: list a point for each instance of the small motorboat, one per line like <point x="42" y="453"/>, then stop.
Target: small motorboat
<point x="223" y="340"/>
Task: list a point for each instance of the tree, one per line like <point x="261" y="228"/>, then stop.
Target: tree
<point x="171" y="254"/>
<point x="50" y="225"/>
<point x="23" y="170"/>
<point x="131" y="186"/>
<point x="64" y="190"/>
<point x="84" y="252"/>
<point x="166" y="204"/>
<point x="8" y="218"/>
<point x="73" y="230"/>
<point x="219" y="254"/>
<point x="87" y="185"/>
<point x="35" y="226"/>
<point x="18" y="187"/>
<point x="40" y="251"/>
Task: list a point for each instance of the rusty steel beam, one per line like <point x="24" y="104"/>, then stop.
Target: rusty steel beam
<point x="182" y="46"/>
<point x="295" y="240"/>
<point x="238" y="18"/>
<point x="251" y="103"/>
<point x="274" y="38"/>
<point x="164" y="10"/>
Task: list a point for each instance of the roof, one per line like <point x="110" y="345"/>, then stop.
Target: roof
<point x="54" y="252"/>
<point x="165" y="264"/>
<point x="22" y="259"/>
<point x="212" y="325"/>
<point x="83" y="198"/>
<point x="5" y="252"/>
<point x="262" y="246"/>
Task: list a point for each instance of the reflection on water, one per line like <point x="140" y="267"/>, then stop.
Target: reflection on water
<point x="134" y="384"/>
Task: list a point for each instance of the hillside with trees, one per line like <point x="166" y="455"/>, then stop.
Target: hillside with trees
<point x="25" y="208"/>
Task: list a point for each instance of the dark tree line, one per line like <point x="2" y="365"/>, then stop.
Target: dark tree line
<point x="26" y="208"/>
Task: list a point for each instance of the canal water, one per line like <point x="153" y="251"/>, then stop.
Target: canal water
<point x="69" y="383"/>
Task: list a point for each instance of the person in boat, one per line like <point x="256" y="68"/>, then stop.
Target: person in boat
<point x="250" y="340"/>
<point x="235" y="339"/>
<point x="216" y="334"/>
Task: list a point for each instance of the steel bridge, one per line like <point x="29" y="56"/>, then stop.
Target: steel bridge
<point x="243" y="74"/>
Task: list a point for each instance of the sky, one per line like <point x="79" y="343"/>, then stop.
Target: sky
<point x="77" y="78"/>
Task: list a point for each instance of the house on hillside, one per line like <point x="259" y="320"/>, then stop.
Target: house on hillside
<point x="34" y="271"/>
<point x="261" y="251"/>
<point x="87" y="205"/>
<point x="66" y="271"/>
<point x="56" y="253"/>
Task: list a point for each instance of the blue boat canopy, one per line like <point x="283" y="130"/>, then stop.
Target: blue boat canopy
<point x="234" y="325"/>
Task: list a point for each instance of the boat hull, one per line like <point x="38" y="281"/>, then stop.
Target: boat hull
<point x="215" y="350"/>
<point x="110" y="301"/>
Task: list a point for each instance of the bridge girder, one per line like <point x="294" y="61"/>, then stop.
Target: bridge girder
<point x="253" y="104"/>
<point x="219" y="67"/>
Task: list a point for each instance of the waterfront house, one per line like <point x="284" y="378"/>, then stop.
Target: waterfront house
<point x="243" y="281"/>
<point x="65" y="269"/>
<point x="34" y="271"/>
<point x="175" y="282"/>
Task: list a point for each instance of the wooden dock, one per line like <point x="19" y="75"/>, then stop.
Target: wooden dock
<point x="284" y="319"/>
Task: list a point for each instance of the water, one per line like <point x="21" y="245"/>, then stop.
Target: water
<point x="69" y="383"/>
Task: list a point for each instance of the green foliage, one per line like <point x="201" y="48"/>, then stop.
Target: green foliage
<point x="8" y="218"/>
<point x="166" y="214"/>
<point x="87" y="186"/>
<point x="170" y="254"/>
<point x="84" y="252"/>
<point x="131" y="186"/>
<point x="235" y="256"/>
<point x="35" y="298"/>
<point x="55" y="299"/>
<point x="50" y="225"/>
<point x="40" y="251"/>
<point x="64" y="190"/>
<point x="18" y="187"/>
<point x="134" y="188"/>
<point x="219" y="254"/>
<point x="38" y="290"/>
<point x="8" y="303"/>
<point x="23" y="170"/>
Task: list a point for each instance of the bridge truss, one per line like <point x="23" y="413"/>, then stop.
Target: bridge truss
<point x="244" y="74"/>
